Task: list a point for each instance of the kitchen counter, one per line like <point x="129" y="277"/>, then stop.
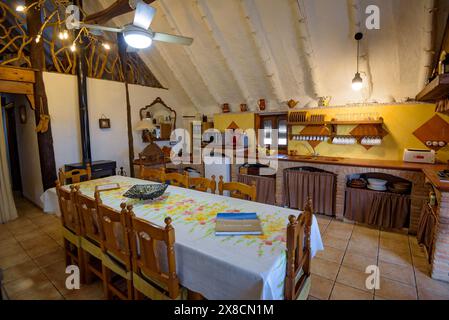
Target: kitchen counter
<point x="432" y="175"/>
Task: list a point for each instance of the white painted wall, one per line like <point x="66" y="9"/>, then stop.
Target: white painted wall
<point x="106" y="98"/>
<point x="30" y="167"/>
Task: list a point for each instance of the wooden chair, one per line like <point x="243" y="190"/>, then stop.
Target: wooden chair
<point x="298" y="280"/>
<point x="117" y="270"/>
<point x="152" y="174"/>
<point x="90" y="236"/>
<point x="74" y="175"/>
<point x="148" y="278"/>
<point x="71" y="228"/>
<point x="238" y="190"/>
<point x="203" y="184"/>
<point x="177" y="179"/>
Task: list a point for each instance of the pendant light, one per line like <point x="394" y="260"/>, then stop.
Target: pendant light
<point x="357" y="82"/>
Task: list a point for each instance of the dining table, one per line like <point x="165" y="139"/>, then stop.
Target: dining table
<point x="245" y="267"/>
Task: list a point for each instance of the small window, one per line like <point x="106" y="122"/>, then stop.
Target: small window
<point x="277" y="122"/>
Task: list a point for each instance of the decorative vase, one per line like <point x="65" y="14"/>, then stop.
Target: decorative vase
<point x="243" y="107"/>
<point x="225" y="108"/>
<point x="262" y="104"/>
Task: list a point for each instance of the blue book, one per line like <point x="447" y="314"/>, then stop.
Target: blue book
<point x="236" y="224"/>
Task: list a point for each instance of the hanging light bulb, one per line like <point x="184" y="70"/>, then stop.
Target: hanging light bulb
<point x="20" y="8"/>
<point x="357" y="82"/>
<point x="65" y="34"/>
<point x="106" y="46"/>
<point x="61" y="35"/>
<point x="73" y="47"/>
<point x="38" y="38"/>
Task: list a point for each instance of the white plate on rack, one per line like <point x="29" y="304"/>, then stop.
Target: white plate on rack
<point x="377" y="188"/>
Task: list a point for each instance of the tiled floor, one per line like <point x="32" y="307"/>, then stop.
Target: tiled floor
<point x="338" y="272"/>
<point x="32" y="259"/>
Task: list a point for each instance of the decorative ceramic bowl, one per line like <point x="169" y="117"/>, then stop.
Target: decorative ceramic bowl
<point x="146" y="191"/>
<point x="377" y="182"/>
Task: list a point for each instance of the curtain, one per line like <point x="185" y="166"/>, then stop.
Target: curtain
<point x="426" y="229"/>
<point x="300" y="185"/>
<point x="266" y="187"/>
<point x="8" y="210"/>
<point x="381" y="209"/>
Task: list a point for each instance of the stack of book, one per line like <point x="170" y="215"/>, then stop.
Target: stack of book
<point x="238" y="223"/>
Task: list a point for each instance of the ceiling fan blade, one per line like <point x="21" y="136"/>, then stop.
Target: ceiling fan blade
<point x="165" y="37"/>
<point x="144" y="15"/>
<point x="102" y="28"/>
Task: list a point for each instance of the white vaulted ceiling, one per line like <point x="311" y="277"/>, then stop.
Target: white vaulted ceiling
<point x="246" y="50"/>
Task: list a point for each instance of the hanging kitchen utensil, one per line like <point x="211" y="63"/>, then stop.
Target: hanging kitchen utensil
<point x="44" y="120"/>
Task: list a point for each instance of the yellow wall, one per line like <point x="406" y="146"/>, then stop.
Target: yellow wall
<point x="243" y="120"/>
<point x="400" y="122"/>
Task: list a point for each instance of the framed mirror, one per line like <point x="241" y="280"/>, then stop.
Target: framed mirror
<point x="163" y="118"/>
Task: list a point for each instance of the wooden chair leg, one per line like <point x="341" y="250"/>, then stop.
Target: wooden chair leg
<point x="130" y="288"/>
<point x="88" y="274"/>
<point x="68" y="259"/>
<point x="137" y="295"/>
<point x="106" y="279"/>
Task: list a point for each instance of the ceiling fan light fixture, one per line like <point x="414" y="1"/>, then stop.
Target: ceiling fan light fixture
<point x="137" y="38"/>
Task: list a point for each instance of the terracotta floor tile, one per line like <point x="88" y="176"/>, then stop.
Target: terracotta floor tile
<point x="38" y="241"/>
<point x="321" y="287"/>
<point x="45" y="220"/>
<point x="34" y="281"/>
<point x="373" y="232"/>
<point x="30" y="235"/>
<point x="324" y="268"/>
<point x="87" y="292"/>
<point x="362" y="249"/>
<point x="24" y="230"/>
<point x="404" y="274"/>
<point x="22" y="270"/>
<point x="50" y="258"/>
<point x="19" y="223"/>
<point x="427" y="283"/>
<point x="331" y="254"/>
<point x="358" y="262"/>
<point x="45" y="291"/>
<point x="339" y="233"/>
<point x="8" y="242"/>
<point x="337" y="243"/>
<point x="342" y="292"/>
<point x="312" y="298"/>
<point x="43" y="249"/>
<point x="12" y="249"/>
<point x="393" y="236"/>
<point x="394" y="290"/>
<point x="5" y="234"/>
<point x="398" y="246"/>
<point x="428" y="294"/>
<point x="353" y="278"/>
<point x="395" y="257"/>
<point x="13" y="260"/>
<point x="365" y="239"/>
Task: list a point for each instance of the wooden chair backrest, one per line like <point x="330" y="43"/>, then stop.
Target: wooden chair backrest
<point x="115" y="231"/>
<point x="74" y="175"/>
<point x="69" y="215"/>
<point x="298" y="252"/>
<point x="238" y="190"/>
<point x="87" y="211"/>
<point x="177" y="179"/>
<point x="203" y="184"/>
<point x="152" y="174"/>
<point x="145" y="237"/>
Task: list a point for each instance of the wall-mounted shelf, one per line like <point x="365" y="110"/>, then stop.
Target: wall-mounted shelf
<point x="437" y="89"/>
<point x="337" y="122"/>
<point x="308" y="123"/>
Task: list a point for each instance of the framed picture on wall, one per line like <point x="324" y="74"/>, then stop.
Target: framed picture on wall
<point x="105" y="123"/>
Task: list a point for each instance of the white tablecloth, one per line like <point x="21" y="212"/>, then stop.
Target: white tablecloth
<point x="241" y="267"/>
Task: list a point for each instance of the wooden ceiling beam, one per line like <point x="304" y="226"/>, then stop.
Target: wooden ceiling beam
<point x="118" y="8"/>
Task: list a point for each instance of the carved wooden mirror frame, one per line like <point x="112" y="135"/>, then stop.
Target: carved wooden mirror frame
<point x="144" y="113"/>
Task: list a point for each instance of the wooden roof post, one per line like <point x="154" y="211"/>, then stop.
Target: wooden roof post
<point x="45" y="140"/>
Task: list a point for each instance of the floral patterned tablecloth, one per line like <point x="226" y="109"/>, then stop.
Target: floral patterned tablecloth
<point x="239" y="267"/>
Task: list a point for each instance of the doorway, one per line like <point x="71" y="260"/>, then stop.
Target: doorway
<point x="10" y="129"/>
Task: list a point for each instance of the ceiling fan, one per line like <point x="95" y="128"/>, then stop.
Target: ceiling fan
<point x="139" y="35"/>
